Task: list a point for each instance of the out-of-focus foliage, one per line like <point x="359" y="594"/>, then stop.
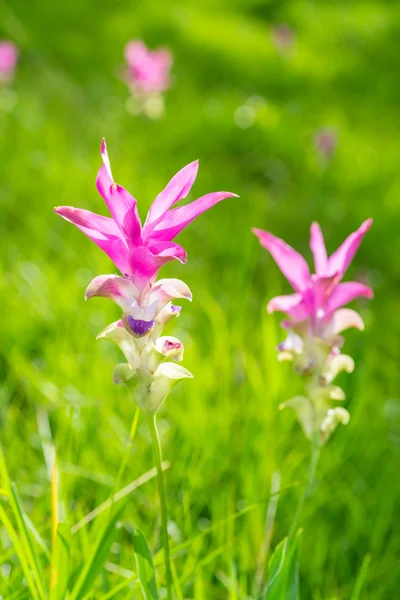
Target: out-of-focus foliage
<point x="250" y="112"/>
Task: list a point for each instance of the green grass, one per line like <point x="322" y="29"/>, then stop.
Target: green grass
<point x="222" y="432"/>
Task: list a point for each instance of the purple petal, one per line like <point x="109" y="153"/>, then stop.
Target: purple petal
<point x="318" y="249"/>
<point x="122" y="291"/>
<point x="120" y="203"/>
<point x="345" y="293"/>
<point x="340" y="260"/>
<point x="178" y="188"/>
<point x="170" y="224"/>
<point x="103" y="231"/>
<point x="139" y="327"/>
<point x="294" y="305"/>
<point x="290" y="262"/>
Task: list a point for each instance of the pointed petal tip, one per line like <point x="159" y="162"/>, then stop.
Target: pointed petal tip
<point x="367" y="224"/>
<point x="103" y="146"/>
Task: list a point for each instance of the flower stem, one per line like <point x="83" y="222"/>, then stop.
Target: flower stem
<point x="163" y="501"/>
<point x="309" y="487"/>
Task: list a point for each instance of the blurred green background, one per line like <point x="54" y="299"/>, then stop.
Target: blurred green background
<point x="249" y="111"/>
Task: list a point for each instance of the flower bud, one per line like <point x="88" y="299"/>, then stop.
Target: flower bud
<point x="170" y="347"/>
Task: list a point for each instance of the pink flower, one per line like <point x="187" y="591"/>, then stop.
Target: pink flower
<point x="325" y="142"/>
<point x="8" y="60"/>
<point x="140" y="251"/>
<point x="148" y="71"/>
<point x="318" y="296"/>
<point x="283" y="38"/>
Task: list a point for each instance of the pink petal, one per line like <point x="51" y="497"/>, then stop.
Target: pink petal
<point x="345" y="293"/>
<point x="170" y="224"/>
<point x="8" y="57"/>
<point x="293" y="305"/>
<point x="178" y="188"/>
<point x="322" y="289"/>
<point x="121" y="204"/>
<point x="344" y="318"/>
<point x="290" y="262"/>
<point x="318" y="249"/>
<point x="103" y="231"/>
<point x="122" y="291"/>
<point x="145" y="265"/>
<point x="168" y="249"/>
<point x="135" y="51"/>
<point x="340" y="260"/>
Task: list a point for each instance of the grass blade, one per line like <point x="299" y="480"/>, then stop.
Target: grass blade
<point x="97" y="559"/>
<point x="361" y="577"/>
<point x="145" y="567"/>
<point x="60" y="562"/>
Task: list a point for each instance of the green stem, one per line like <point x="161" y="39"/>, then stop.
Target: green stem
<point x="163" y="501"/>
<point x="309" y="487"/>
<point x="125" y="457"/>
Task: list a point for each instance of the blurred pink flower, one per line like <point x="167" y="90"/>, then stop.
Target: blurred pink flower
<point x="139" y="252"/>
<point x="318" y="296"/>
<point x="283" y="38"/>
<point x="148" y="71"/>
<point x="8" y="60"/>
<point x="325" y="143"/>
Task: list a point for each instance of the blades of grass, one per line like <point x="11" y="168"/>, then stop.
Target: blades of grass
<point x="32" y="555"/>
<point x="128" y="489"/>
<point x="144" y="566"/>
<point x="275" y="568"/>
<point x="175" y="551"/>
<point x="282" y="581"/>
<point x="268" y="531"/>
<point x="60" y="542"/>
<point x="361" y="577"/>
<point x="119" y="588"/>
<point x="60" y="562"/>
<point x="175" y="579"/>
<point x="293" y="586"/>
<point x="96" y="559"/>
<point x="26" y="540"/>
<point x="19" y="550"/>
<point x="38" y="538"/>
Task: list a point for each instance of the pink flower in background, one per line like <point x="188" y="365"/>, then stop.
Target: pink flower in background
<point x="283" y="38"/>
<point x="148" y="71"/>
<point x="8" y="60"/>
<point x="317" y="318"/>
<point x="138" y="251"/>
<point x="317" y="296"/>
<point x="325" y="143"/>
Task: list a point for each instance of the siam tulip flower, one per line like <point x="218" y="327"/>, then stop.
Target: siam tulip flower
<point x="325" y="143"/>
<point x="8" y="60"/>
<point x="148" y="76"/>
<point x="316" y="319"/>
<point x="151" y="368"/>
<point x="139" y="252"/>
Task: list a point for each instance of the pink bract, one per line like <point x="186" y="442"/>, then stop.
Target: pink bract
<point x="140" y="251"/>
<point x="148" y="71"/>
<point x="317" y="296"/>
<point x="8" y="59"/>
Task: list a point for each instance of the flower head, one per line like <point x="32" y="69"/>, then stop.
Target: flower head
<point x="316" y="320"/>
<point x="317" y="296"/>
<point x="8" y="60"/>
<point x="148" y="71"/>
<point x="140" y="251"/>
